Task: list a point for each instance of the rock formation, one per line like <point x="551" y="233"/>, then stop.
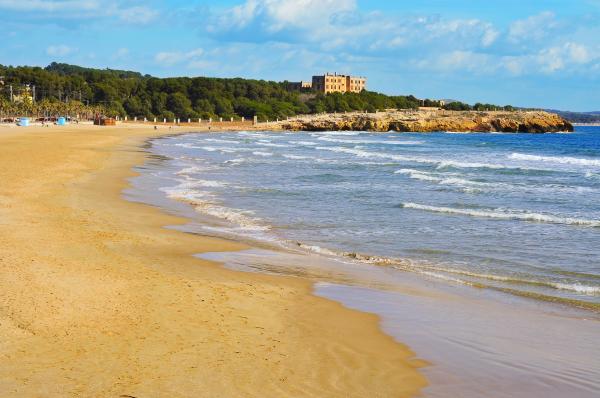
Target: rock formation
<point x="432" y="120"/>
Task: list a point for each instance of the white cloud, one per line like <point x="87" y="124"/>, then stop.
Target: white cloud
<point x="48" y="5"/>
<point x="59" y="50"/>
<point x="473" y="62"/>
<point x="339" y="25"/>
<point x="82" y="9"/>
<point x="343" y="36"/>
<point x="276" y="15"/>
<point x="167" y="59"/>
<point x="560" y="57"/>
<point x="137" y="15"/>
<point x="489" y="36"/>
<point x="535" y="27"/>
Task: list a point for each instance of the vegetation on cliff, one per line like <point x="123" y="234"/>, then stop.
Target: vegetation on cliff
<point x="68" y="89"/>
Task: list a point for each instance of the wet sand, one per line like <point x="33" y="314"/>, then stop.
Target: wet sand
<point x="98" y="299"/>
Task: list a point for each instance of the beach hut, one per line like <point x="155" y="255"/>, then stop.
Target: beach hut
<point x="23" y="122"/>
<point x="104" y="121"/>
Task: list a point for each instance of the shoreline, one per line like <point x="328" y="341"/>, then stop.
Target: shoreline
<point x="136" y="313"/>
<point x="398" y="120"/>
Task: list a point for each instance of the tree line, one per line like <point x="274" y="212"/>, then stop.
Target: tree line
<point x="69" y="89"/>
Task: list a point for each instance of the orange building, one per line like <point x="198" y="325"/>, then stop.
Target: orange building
<point x="334" y="83"/>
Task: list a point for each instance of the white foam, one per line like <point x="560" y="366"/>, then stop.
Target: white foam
<point x="269" y="144"/>
<point x="204" y="202"/>
<point x="505" y="215"/>
<point x="241" y="218"/>
<point x="318" y="249"/>
<point x="418" y="175"/>
<point x="556" y="159"/>
<point x="577" y="287"/>
<point x="305" y="143"/>
<point x="361" y="141"/>
<point x="219" y="141"/>
<point x="401" y="158"/>
<point x="475" y="165"/>
<point x="336" y="133"/>
<point x="264" y="154"/>
<point x="443" y="277"/>
<point x="237" y="161"/>
<point x="297" y="157"/>
<point x="191" y="170"/>
<point x="187" y="145"/>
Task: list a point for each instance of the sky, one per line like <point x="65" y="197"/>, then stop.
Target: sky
<point x="534" y="53"/>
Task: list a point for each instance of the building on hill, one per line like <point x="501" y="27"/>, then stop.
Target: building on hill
<point x="301" y="85"/>
<point x="334" y="83"/>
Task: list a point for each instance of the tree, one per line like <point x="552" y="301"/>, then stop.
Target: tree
<point x="180" y="105"/>
<point x="120" y="93"/>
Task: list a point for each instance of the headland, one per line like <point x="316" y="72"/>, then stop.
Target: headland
<point x="432" y="120"/>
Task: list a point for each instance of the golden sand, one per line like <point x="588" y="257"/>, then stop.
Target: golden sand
<point x="98" y="299"/>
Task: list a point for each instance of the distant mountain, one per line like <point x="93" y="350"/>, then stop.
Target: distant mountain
<point x="578" y="117"/>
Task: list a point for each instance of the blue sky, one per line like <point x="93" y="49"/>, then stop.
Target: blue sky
<point x="519" y="52"/>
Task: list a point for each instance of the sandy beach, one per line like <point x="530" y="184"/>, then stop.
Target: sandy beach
<point x="99" y="299"/>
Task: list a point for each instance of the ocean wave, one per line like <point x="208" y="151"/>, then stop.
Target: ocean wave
<point x="503" y="214"/>
<point x="592" y="176"/>
<point x="419" y="175"/>
<point x="222" y="150"/>
<point x="297" y="157"/>
<point x="204" y="202"/>
<point x="252" y="134"/>
<point x="270" y="144"/>
<point x="187" y="145"/>
<point x="219" y="141"/>
<point x="243" y="219"/>
<point x="236" y="161"/>
<point x="305" y="143"/>
<point x="366" y="154"/>
<point x="448" y="274"/>
<point x="191" y="170"/>
<point x="469" y="185"/>
<point x="362" y="141"/>
<point x="530" y="280"/>
<point x="556" y="159"/>
<point x="336" y="133"/>
<point x="401" y="158"/>
<point x="263" y="154"/>
<point x="579" y="288"/>
<point x="196" y="183"/>
<point x="472" y="165"/>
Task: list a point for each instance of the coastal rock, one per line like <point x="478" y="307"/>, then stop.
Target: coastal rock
<point x="430" y="121"/>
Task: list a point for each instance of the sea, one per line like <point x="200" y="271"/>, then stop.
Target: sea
<point x="480" y="251"/>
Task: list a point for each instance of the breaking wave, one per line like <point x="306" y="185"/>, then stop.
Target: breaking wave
<point x="365" y="141"/>
<point x="204" y="203"/>
<point x="504" y="214"/>
<point x="556" y="159"/>
<point x="401" y="158"/>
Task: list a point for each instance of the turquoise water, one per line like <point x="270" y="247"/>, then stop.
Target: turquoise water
<point x="518" y="213"/>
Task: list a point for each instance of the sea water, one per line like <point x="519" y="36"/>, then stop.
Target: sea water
<point x="371" y="215"/>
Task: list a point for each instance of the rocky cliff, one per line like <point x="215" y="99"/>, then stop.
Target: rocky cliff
<point x="432" y="120"/>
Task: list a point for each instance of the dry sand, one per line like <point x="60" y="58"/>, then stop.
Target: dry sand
<point x="98" y="299"/>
